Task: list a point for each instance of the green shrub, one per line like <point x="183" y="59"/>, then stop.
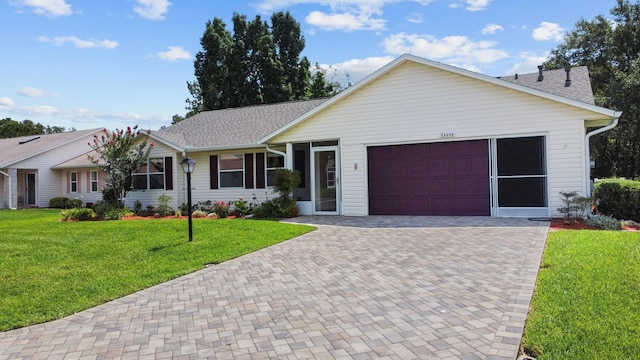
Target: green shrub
<point x="221" y="209"/>
<point x="163" y="208"/>
<point x="240" y="207"/>
<point x="284" y="205"/>
<point x="137" y="207"/>
<point x="618" y="198"/>
<point x="62" y="202"/>
<point x="79" y="214"/>
<point x="604" y="222"/>
<point x="117" y="213"/>
<point x="267" y="210"/>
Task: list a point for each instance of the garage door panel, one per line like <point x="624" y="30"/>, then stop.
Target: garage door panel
<point x="429" y="179"/>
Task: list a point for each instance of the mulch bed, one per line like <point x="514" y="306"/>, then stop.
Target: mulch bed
<point x="562" y="224"/>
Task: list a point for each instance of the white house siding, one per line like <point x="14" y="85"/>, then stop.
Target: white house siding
<point x="150" y="197"/>
<point x="49" y="182"/>
<point x="415" y="103"/>
<point x="200" y="182"/>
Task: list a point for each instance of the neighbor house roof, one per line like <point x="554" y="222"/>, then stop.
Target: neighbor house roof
<point x="80" y="161"/>
<point x="549" y="90"/>
<point x="234" y="127"/>
<point x="554" y="82"/>
<point x="17" y="149"/>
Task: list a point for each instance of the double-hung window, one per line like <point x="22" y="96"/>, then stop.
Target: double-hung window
<point x="150" y="176"/>
<point x="93" y="181"/>
<point x="231" y="170"/>
<point x="274" y="161"/>
<point x="73" y="181"/>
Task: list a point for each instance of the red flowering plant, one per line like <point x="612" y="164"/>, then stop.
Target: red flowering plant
<point x="119" y="154"/>
<point x="221" y="209"/>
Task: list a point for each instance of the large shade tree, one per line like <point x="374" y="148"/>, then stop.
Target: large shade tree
<point x="610" y="48"/>
<point x="119" y="154"/>
<point x="259" y="63"/>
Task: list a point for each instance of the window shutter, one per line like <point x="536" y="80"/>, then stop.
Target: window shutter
<point x="213" y="171"/>
<point x="89" y="181"/>
<point x="168" y="173"/>
<point x="248" y="171"/>
<point x="68" y="182"/>
<point x="260" y="165"/>
<point x="100" y="175"/>
<point x="78" y="182"/>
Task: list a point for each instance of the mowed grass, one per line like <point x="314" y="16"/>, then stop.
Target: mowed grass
<point x="50" y="269"/>
<point x="587" y="301"/>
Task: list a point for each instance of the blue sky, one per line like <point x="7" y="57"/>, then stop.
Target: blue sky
<point x="87" y="64"/>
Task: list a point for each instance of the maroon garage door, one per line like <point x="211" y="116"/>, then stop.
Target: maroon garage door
<point x="449" y="178"/>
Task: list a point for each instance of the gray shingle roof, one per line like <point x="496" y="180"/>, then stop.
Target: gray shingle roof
<point x="554" y="83"/>
<point x="81" y="161"/>
<point x="243" y="126"/>
<point x="24" y="147"/>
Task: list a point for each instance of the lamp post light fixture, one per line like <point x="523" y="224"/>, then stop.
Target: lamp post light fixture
<point x="187" y="166"/>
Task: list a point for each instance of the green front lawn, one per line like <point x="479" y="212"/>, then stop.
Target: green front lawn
<point x="587" y="300"/>
<point x="50" y="269"/>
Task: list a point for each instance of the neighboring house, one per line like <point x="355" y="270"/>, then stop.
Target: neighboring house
<point x="416" y="137"/>
<point x="28" y="177"/>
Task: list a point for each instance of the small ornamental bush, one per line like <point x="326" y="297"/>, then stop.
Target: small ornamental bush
<point x="77" y="214"/>
<point x="221" y="209"/>
<point x="163" y="208"/>
<point x="117" y="213"/>
<point x="618" y="198"/>
<point x="199" y="214"/>
<point x="284" y="205"/>
<point x="604" y="222"/>
<point x="241" y="207"/>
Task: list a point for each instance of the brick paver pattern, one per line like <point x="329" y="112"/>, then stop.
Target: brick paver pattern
<point x="357" y="288"/>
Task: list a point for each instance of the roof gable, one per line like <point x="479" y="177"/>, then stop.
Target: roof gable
<point x="17" y="149"/>
<point x="530" y="90"/>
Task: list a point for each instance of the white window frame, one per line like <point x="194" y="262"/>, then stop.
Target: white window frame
<point x="93" y="181"/>
<point x="73" y="182"/>
<point x="148" y="174"/>
<point x="220" y="171"/>
<point x="272" y="169"/>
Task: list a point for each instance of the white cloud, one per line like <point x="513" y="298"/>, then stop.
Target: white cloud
<point x="5" y="101"/>
<point x="152" y="9"/>
<point x="415" y="18"/>
<point x="527" y="63"/>
<point x="477" y="5"/>
<point x="29" y="91"/>
<point x="52" y="8"/>
<point x="174" y="53"/>
<point x="548" y="31"/>
<point x="455" y="50"/>
<point x="354" y="70"/>
<point x="348" y="15"/>
<point x="79" y="43"/>
<point x="345" y="21"/>
<point x="491" y="29"/>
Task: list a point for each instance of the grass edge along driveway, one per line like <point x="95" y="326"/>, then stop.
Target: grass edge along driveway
<point x="586" y="304"/>
<point x="50" y="269"/>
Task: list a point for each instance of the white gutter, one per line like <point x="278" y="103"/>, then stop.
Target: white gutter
<point x="283" y="154"/>
<point x="10" y="187"/>
<point x="616" y="117"/>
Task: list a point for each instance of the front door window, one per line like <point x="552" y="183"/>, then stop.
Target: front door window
<point x="325" y="180"/>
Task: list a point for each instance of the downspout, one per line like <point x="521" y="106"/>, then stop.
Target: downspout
<point x="10" y="187"/>
<point x="616" y="117"/>
<point x="283" y="154"/>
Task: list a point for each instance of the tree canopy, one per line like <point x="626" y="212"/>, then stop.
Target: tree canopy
<point x="610" y="48"/>
<point x="119" y="154"/>
<point x="10" y="128"/>
<point x="256" y="64"/>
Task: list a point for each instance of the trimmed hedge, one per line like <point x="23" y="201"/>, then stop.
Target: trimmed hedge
<point x="64" y="203"/>
<point x="618" y="198"/>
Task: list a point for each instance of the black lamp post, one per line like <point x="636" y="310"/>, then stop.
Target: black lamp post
<point x="187" y="166"/>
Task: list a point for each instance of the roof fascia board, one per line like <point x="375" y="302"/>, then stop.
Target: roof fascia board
<point x="45" y="150"/>
<point x="155" y="137"/>
<point x="456" y="70"/>
<point x="224" y="148"/>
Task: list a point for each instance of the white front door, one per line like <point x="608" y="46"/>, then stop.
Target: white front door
<point x="325" y="172"/>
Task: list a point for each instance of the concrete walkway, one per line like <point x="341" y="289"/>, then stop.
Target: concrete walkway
<point x="357" y="288"/>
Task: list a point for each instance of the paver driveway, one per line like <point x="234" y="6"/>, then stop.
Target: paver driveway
<point x="370" y="287"/>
